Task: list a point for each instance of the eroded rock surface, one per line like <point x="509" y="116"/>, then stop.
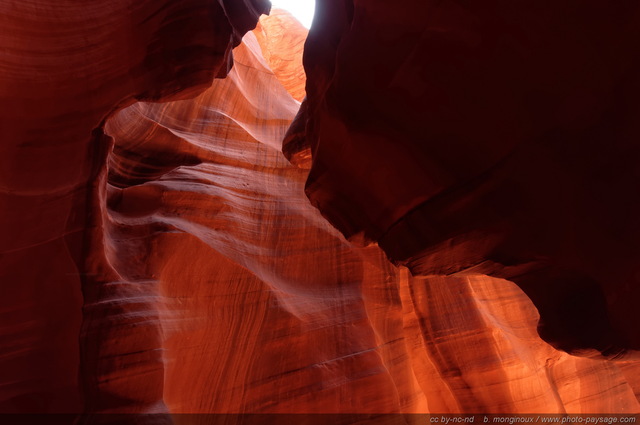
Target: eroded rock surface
<point x="265" y="307"/>
<point x="171" y="261"/>
<point x="487" y="138"/>
<point x="65" y="66"/>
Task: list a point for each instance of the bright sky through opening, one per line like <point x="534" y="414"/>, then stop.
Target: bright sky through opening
<point x="301" y="9"/>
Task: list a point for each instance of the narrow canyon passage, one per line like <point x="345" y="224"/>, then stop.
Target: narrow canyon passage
<point x="174" y="260"/>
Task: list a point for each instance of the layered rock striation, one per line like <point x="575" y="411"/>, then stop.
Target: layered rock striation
<point x="161" y="254"/>
<point x="491" y="138"/>
<point x="66" y="66"/>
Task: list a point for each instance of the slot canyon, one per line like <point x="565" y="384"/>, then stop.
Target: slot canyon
<point x="413" y="207"/>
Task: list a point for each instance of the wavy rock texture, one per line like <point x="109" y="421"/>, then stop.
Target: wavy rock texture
<point x="516" y="129"/>
<point x="262" y="306"/>
<point x="188" y="272"/>
<point x="65" y="66"/>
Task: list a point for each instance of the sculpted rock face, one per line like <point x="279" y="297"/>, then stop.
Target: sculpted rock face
<point x="187" y="272"/>
<point x="282" y="40"/>
<point x="264" y="307"/>
<point x="65" y="67"/>
<point x="487" y="139"/>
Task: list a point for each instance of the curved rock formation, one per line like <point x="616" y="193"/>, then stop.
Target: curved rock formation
<point x="65" y="67"/>
<point x="165" y="259"/>
<point x="265" y="308"/>
<point x="487" y="138"/>
<point x="282" y="39"/>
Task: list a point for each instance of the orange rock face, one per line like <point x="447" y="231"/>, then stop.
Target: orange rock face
<point x="65" y="67"/>
<point x="171" y="261"/>
<point x="487" y="139"/>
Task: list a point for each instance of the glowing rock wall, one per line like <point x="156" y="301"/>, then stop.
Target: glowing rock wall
<point x="487" y="138"/>
<point x="170" y="261"/>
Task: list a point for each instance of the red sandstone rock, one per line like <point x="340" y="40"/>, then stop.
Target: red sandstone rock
<point x="266" y="308"/>
<point x="282" y="39"/>
<point x="487" y="138"/>
<point x="65" y="67"/>
<point x="173" y="263"/>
